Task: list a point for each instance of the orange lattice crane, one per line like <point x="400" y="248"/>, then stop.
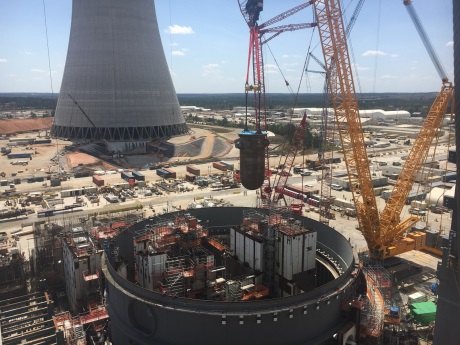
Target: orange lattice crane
<point x="384" y="233"/>
<point x="391" y="226"/>
<point x="343" y="97"/>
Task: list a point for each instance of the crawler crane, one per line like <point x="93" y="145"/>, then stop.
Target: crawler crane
<point x="384" y="234"/>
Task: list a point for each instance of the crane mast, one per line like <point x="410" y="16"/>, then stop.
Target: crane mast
<point x="343" y="96"/>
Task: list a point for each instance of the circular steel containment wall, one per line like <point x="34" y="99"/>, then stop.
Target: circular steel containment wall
<point x="140" y="316"/>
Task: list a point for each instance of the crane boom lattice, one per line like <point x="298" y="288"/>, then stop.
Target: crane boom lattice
<point x="343" y="97"/>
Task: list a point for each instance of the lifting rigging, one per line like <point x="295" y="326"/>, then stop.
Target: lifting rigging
<point x="382" y="234"/>
<point x="253" y="145"/>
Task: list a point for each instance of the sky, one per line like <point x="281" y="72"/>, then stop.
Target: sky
<point x="206" y="46"/>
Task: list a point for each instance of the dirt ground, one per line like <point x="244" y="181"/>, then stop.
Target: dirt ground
<point x="76" y="158"/>
<point x="43" y="157"/>
<point x="51" y="158"/>
<point x="11" y="126"/>
<point x="210" y="134"/>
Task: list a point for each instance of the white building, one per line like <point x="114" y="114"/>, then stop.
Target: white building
<point x="383" y="115"/>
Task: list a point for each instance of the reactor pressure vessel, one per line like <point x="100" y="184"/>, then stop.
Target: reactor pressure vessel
<point x="252" y="147"/>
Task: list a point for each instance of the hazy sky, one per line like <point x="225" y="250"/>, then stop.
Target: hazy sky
<point x="206" y="44"/>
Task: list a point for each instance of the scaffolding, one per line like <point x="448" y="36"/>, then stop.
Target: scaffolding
<point x="174" y="276"/>
<point x="378" y="300"/>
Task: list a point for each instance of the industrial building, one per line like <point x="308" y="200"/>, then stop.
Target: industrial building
<point x="28" y="319"/>
<point x="253" y="275"/>
<point x="116" y="84"/>
<point x="12" y="267"/>
<point x="82" y="270"/>
<point x="344" y="182"/>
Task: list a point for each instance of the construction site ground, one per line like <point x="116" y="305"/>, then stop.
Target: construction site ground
<point x="51" y="158"/>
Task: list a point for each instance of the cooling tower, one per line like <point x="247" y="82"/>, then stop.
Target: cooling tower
<point x="116" y="84"/>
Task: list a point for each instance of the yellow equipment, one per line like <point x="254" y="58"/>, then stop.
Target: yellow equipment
<point x="384" y="234"/>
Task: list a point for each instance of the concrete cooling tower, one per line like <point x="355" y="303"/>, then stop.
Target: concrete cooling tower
<point x="116" y="84"/>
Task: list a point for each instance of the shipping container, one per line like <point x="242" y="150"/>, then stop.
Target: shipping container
<point x="379" y="181"/>
<point x="98" y="180"/>
<point x="23" y="163"/>
<point x="126" y="175"/>
<point x="219" y="166"/>
<point x="54" y="182"/>
<point x="416" y="195"/>
<point x="19" y="155"/>
<point x="163" y="173"/>
<point x="432" y="179"/>
<point x="450" y="176"/>
<point x="138" y="176"/>
<point x="172" y="173"/>
<point x="344" y="203"/>
<point x="293" y="194"/>
<point x="42" y="141"/>
<point x="121" y="185"/>
<point x="351" y="212"/>
<point x="306" y="191"/>
<point x="190" y="178"/>
<point x="80" y="174"/>
<point x="314" y="197"/>
<point x="22" y="140"/>
<point x="421" y="205"/>
<point x="88" y="189"/>
<point x="70" y="193"/>
<point x="229" y="166"/>
<point x="342" y="182"/>
<point x="193" y="170"/>
<point x="131" y="182"/>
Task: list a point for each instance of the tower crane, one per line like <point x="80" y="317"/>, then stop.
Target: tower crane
<point x="253" y="145"/>
<point x="384" y="233"/>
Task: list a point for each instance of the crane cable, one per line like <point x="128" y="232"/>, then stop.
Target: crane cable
<point x="48" y="48"/>
<point x="377" y="46"/>
<point x="298" y="87"/>
<point x="279" y="68"/>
